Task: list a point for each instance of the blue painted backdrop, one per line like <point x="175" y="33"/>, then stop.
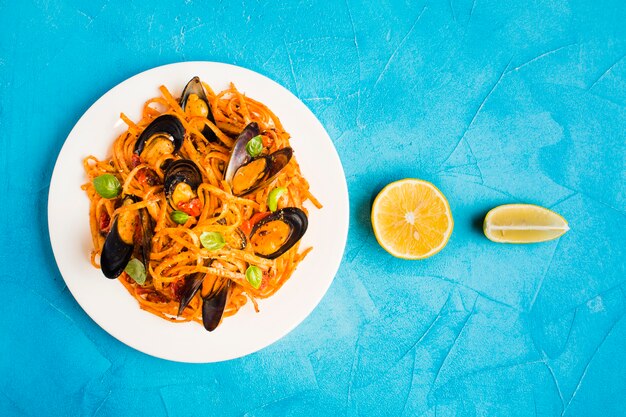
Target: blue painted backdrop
<point x="494" y="101"/>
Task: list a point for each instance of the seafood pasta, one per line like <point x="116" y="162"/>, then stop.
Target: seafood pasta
<point x="200" y="206"/>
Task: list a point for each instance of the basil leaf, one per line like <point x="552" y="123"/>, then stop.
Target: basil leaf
<point x="254" y="275"/>
<point x="255" y="146"/>
<point x="107" y="186"/>
<point x="136" y="271"/>
<point x="179" y="217"/>
<point x="274" y="195"/>
<point x="212" y="240"/>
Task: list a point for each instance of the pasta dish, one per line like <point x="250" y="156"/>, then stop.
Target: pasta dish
<point x="200" y="206"/>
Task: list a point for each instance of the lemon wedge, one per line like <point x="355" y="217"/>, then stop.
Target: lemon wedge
<point x="411" y="219"/>
<point x="523" y="223"/>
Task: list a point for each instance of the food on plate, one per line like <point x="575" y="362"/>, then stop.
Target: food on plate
<point x="200" y="207"/>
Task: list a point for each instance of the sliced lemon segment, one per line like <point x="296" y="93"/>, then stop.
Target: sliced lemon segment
<point x="412" y="219"/>
<point x="523" y="223"/>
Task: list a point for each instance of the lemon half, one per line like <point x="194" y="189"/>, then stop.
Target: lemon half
<point x="412" y="219"/>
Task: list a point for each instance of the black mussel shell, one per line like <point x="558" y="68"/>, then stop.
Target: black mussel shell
<point x="194" y="86"/>
<point x="190" y="288"/>
<point x="147" y="232"/>
<point x="182" y="170"/>
<point x="238" y="155"/>
<point x="243" y="240"/>
<point x="274" y="164"/>
<point x="115" y="254"/>
<point x="214" y="303"/>
<point x="163" y="124"/>
<point x="296" y="220"/>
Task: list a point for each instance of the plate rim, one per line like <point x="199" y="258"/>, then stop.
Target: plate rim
<point x="55" y="173"/>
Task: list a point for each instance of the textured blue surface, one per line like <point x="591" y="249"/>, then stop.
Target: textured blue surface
<point x="494" y="101"/>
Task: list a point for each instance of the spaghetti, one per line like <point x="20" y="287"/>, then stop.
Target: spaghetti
<point x="186" y="279"/>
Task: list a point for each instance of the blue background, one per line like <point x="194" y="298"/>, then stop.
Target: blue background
<point x="494" y="101"/>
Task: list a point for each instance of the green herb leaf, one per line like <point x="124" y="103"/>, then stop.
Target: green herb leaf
<point x="136" y="271"/>
<point x="107" y="185"/>
<point x="179" y="217"/>
<point x="212" y="240"/>
<point x="274" y="195"/>
<point x="254" y="275"/>
<point x="255" y="146"/>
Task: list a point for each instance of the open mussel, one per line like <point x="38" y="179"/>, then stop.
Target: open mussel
<point x="245" y="174"/>
<point x="276" y="233"/>
<point x="120" y="243"/>
<point x="194" y="102"/>
<point x="181" y="181"/>
<point x="214" y="292"/>
<point x="259" y="172"/>
<point x="116" y="252"/>
<point x="163" y="136"/>
<point x="238" y="155"/>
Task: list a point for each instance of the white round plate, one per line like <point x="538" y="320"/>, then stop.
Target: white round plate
<point x="109" y="304"/>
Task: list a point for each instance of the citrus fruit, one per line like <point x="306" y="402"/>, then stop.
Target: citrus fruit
<point x="523" y="223"/>
<point x="411" y="219"/>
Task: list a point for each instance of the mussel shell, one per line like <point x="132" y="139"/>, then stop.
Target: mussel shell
<point x="115" y="253"/>
<point x="194" y="86"/>
<point x="275" y="162"/>
<point x="163" y="124"/>
<point x="182" y="170"/>
<point x="213" y="305"/>
<point x="190" y="288"/>
<point x="243" y="240"/>
<point x="147" y="232"/>
<point x="238" y="155"/>
<point x="296" y="220"/>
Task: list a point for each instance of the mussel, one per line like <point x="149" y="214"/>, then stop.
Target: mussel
<point x="146" y="224"/>
<point x="277" y="233"/>
<point x="238" y="155"/>
<point x="190" y="287"/>
<point x="260" y="171"/>
<point x="120" y="243"/>
<point x="215" y="291"/>
<point x="180" y="183"/>
<point x="194" y="102"/>
<point x="116" y="252"/>
<point x="245" y="174"/>
<point x="163" y="136"/>
<point x="237" y="240"/>
<point x="214" y="294"/>
<point x="240" y="241"/>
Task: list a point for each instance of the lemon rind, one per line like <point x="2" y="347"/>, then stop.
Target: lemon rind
<point x="405" y="256"/>
<point x="488" y="228"/>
